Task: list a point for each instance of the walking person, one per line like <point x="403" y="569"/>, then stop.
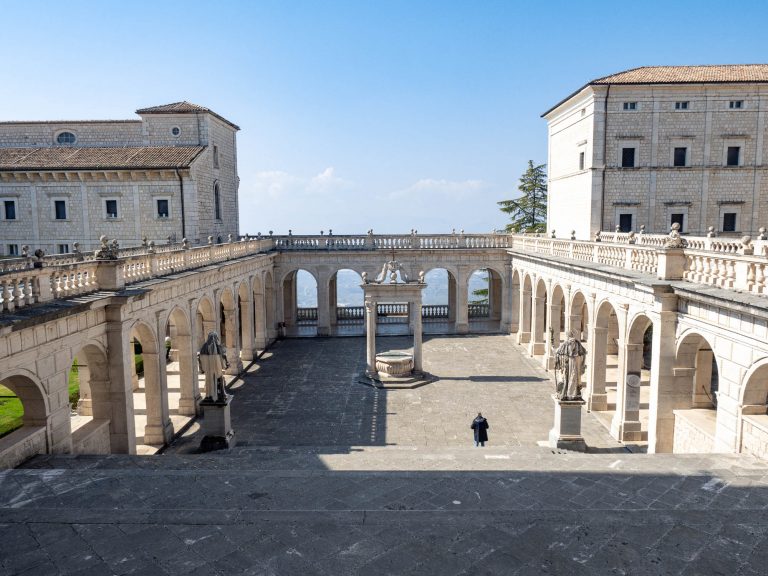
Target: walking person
<point x="480" y="427"/>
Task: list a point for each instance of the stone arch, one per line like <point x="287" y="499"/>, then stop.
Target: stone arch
<point x="515" y="299"/>
<point x="556" y="314"/>
<point x="90" y="432"/>
<point x="182" y="358"/>
<point x="753" y="407"/>
<point x="294" y="314"/>
<point x="491" y="304"/>
<point x="35" y="436"/>
<point x="538" y="318"/>
<point x="205" y="319"/>
<point x="229" y="328"/>
<point x="697" y="370"/>
<point x="345" y="312"/>
<point x="578" y="314"/>
<point x="154" y="413"/>
<point x="433" y="310"/>
<point x="245" y="320"/>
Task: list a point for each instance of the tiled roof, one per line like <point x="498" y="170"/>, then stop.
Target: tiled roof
<point x="689" y="74"/>
<point x="710" y="74"/>
<point x="69" y="158"/>
<point x="183" y="107"/>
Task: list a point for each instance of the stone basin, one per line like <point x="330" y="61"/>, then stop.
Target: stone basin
<point x="395" y="364"/>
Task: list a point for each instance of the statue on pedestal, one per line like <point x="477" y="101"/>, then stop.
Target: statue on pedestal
<point x="569" y="366"/>
<point x="212" y="359"/>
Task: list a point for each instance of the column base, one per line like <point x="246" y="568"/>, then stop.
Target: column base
<point x="235" y="367"/>
<point x="536" y="348"/>
<point x="566" y="432"/>
<point x="628" y="431"/>
<point x="323" y="331"/>
<point x="462" y="328"/>
<point x="247" y="355"/>
<point x="157" y="434"/>
<point x="188" y="406"/>
<point x="523" y="337"/>
<point x="597" y="402"/>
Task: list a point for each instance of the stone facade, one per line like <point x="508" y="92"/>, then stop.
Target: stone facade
<point x="126" y="201"/>
<point x="680" y="133"/>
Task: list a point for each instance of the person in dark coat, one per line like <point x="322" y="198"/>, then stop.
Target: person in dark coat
<point x="480" y="427"/>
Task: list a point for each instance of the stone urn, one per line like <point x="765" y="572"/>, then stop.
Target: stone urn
<point x="395" y="364"/>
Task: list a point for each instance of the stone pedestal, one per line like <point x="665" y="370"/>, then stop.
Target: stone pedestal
<point x="566" y="432"/>
<point x="217" y="425"/>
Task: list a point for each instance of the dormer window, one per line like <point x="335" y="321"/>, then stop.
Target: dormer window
<point x="66" y="138"/>
<point x="176" y="131"/>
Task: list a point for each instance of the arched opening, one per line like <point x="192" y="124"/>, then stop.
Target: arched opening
<point x="604" y="372"/>
<point x="205" y="321"/>
<point x="526" y="296"/>
<point x="89" y="398"/>
<point x="515" y="324"/>
<point x="300" y="303"/>
<point x="633" y="421"/>
<point x="439" y="301"/>
<point x="217" y="201"/>
<point x="556" y="324"/>
<point x="180" y="359"/>
<point x="694" y="396"/>
<point x="754" y="413"/>
<point x="150" y="397"/>
<point x="245" y="321"/>
<point x="578" y="316"/>
<point x="345" y="302"/>
<point x="229" y="330"/>
<point x="538" y="319"/>
<point x="484" y="293"/>
<point x="23" y="426"/>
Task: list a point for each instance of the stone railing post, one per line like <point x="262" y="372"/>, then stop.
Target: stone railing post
<point x="671" y="264"/>
<point x="42" y="284"/>
<point x="109" y="275"/>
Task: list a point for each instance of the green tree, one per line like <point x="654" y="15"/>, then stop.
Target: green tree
<point x="529" y="212"/>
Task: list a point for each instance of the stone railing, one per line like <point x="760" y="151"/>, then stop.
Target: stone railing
<point x="414" y="241"/>
<point x="723" y="262"/>
<point x="26" y="281"/>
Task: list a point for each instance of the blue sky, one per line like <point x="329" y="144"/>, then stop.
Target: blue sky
<point x="389" y="115"/>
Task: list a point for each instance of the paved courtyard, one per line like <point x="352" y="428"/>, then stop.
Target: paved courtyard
<point x="331" y="476"/>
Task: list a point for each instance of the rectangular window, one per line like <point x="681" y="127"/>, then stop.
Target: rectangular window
<point x="625" y="222"/>
<point x="681" y="155"/>
<point x="110" y="207"/>
<point x="729" y="222"/>
<point x="162" y="208"/>
<point x="60" y="209"/>
<point x="627" y="157"/>
<point x="630" y="105"/>
<point x="9" y="209"/>
<point x="581" y="160"/>
<point x="733" y="154"/>
<point x="736" y="104"/>
<point x="677" y="219"/>
<point x="62" y="248"/>
<point x="681" y="105"/>
<point x="215" y="156"/>
<point x="13" y="249"/>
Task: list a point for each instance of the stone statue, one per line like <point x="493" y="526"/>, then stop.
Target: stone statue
<point x="364" y="276"/>
<point x="393" y="266"/>
<point x="421" y="277"/>
<point x="674" y="240"/>
<point x="107" y="250"/>
<point x="213" y="360"/>
<point x="569" y="366"/>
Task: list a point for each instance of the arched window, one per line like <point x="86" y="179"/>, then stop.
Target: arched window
<point x="216" y="201"/>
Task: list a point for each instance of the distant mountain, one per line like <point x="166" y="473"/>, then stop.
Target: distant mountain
<point x="349" y="293"/>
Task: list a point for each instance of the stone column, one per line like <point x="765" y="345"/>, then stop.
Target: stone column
<point x="246" y="319"/>
<point x="120" y="367"/>
<point x="524" y="330"/>
<point x="332" y="299"/>
<point x="323" y="308"/>
<point x="553" y="332"/>
<point x="370" y="337"/>
<point x="597" y="399"/>
<point x="626" y="421"/>
<point x="417" y="336"/>
<point x="536" y="347"/>
<point x="452" y="299"/>
<point x="187" y="375"/>
<point x="230" y="341"/>
<point x="506" y="300"/>
<point x="260" y="322"/>
<point x="664" y="397"/>
<point x="495" y="304"/>
<point x="462" y="303"/>
<point x="159" y="429"/>
<point x="289" y="300"/>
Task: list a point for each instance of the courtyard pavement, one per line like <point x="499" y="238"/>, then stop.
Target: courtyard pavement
<point x="333" y="477"/>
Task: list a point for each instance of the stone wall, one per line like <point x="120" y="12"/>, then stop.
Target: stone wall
<point x="93" y="133"/>
<point x="694" y="431"/>
<point x="21" y="445"/>
<point x="754" y="435"/>
<point x="91" y="438"/>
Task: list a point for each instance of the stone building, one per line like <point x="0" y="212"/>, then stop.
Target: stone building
<point x="173" y="173"/>
<point x="656" y="145"/>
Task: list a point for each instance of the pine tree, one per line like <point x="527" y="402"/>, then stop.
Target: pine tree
<point x="529" y="212"/>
